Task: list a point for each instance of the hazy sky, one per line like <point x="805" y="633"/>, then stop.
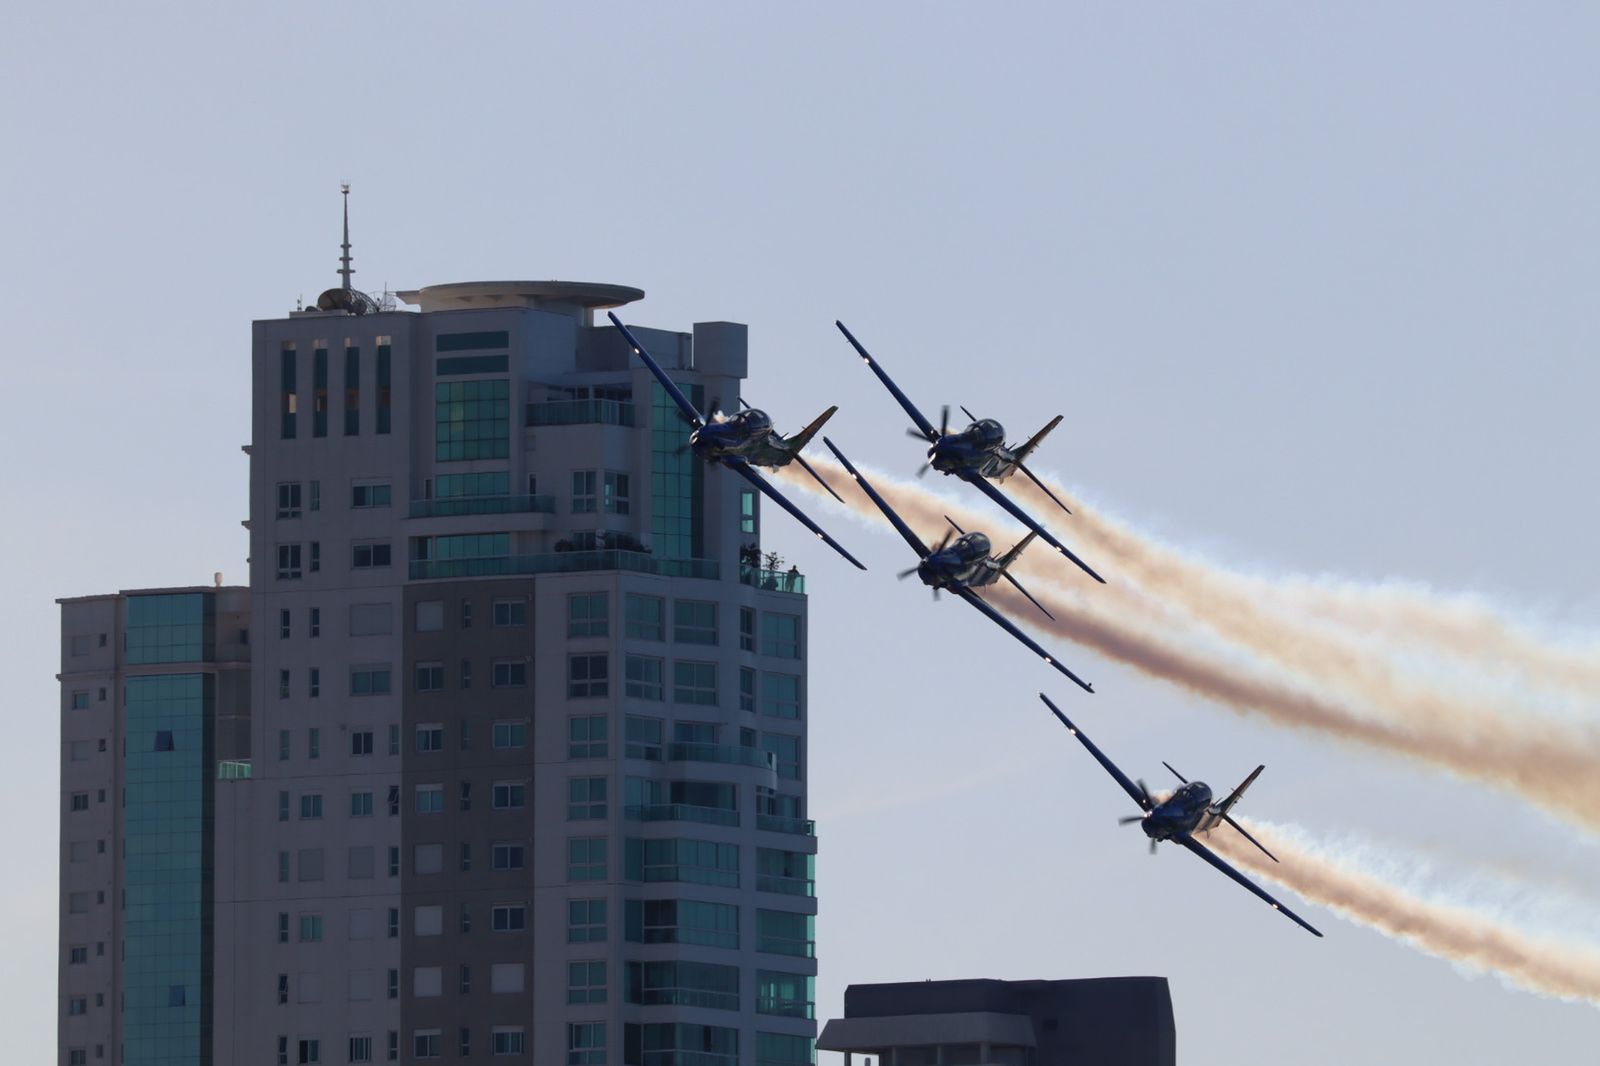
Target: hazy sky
<point x="1314" y="287"/>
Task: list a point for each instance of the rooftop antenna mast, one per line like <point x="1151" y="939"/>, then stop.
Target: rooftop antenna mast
<point x="345" y="269"/>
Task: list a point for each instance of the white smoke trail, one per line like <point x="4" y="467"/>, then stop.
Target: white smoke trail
<point x="1228" y="600"/>
<point x="1460" y="933"/>
<point x="1321" y="685"/>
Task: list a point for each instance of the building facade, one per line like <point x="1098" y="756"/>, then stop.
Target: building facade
<point x="528" y="730"/>
<point x="1124" y="1020"/>
<point x="155" y="696"/>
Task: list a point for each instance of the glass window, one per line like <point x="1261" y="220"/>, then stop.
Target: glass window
<point x="714" y="986"/>
<point x="588" y="676"/>
<point x="701" y="862"/>
<point x="694" y="622"/>
<point x="371" y="494"/>
<point x="352" y="391"/>
<point x="361" y="804"/>
<point x="646" y="617"/>
<point x="586" y="921"/>
<point x="747" y="511"/>
<point x="682" y="1042"/>
<point x="694" y="683"/>
<point x="430" y="737"/>
<point x="370" y="555"/>
<point x="780" y="695"/>
<point x="586" y="798"/>
<point x="429" y="677"/>
<point x="788" y="872"/>
<point x="643" y="738"/>
<point x="509" y="795"/>
<point x="786" y="750"/>
<point x="586" y="1043"/>
<point x="682" y="921"/>
<point x="583" y="492"/>
<point x="587" y="614"/>
<point x="507" y="856"/>
<point x="369" y="680"/>
<point x="288" y="499"/>
<point x="510" y="735"/>
<point x="786" y="933"/>
<point x="587" y="737"/>
<point x="506" y="1040"/>
<point x="361" y="742"/>
<point x="471" y="419"/>
<point x="644" y="677"/>
<point x="616" y="492"/>
<point x="780" y="635"/>
<point x="747" y="689"/>
<point x="586" y="859"/>
<point x="429" y="799"/>
<point x="511" y="612"/>
<point x="508" y="917"/>
<point x="319" y="391"/>
<point x="288" y="405"/>
<point x="509" y="673"/>
<point x="783" y="1049"/>
<point x="586" y="982"/>
<point x="288" y="562"/>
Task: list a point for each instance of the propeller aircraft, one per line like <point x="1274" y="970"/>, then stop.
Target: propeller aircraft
<point x="977" y="454"/>
<point x="743" y="441"/>
<point x="961" y="567"/>
<point x="1186" y="812"/>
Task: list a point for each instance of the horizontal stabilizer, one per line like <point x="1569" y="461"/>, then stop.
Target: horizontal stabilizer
<point x="801" y="439"/>
<point x="1026" y="450"/>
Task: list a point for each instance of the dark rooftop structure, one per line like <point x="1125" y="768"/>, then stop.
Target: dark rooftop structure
<point x="1121" y="1020"/>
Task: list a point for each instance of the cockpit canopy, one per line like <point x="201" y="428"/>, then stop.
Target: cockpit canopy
<point x="753" y="420"/>
<point x="989" y="432"/>
<point x="972" y="546"/>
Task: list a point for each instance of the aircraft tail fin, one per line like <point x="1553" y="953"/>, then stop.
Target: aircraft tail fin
<point x="1250" y="838"/>
<point x="1227" y="805"/>
<point x="1004" y="565"/>
<point x="801" y="439"/>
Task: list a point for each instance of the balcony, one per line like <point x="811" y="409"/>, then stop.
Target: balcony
<point x="777" y="824"/>
<point x="580" y="413"/>
<point x="682" y="812"/>
<point x="460" y="505"/>
<point x="772" y="580"/>
<point x="564" y="563"/>
<point x="233" y="770"/>
<point x="722" y="753"/>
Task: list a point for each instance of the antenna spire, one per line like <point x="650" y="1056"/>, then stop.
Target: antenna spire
<point x="345" y="269"/>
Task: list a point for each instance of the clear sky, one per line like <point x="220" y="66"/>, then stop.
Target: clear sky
<point x="1313" y="285"/>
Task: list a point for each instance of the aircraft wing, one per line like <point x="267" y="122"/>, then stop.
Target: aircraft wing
<point x="688" y="409"/>
<point x="894" y="390"/>
<point x="1215" y="860"/>
<point x="744" y="470"/>
<point x="1006" y="624"/>
<point x="888" y="512"/>
<point x="1139" y="795"/>
<point x="982" y="484"/>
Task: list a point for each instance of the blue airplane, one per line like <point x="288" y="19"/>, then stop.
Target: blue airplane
<point x="961" y="567"/>
<point x="743" y="441"/>
<point x="976" y="455"/>
<point x="1186" y="812"/>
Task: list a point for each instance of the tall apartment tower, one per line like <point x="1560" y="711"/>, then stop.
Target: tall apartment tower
<point x="155" y="700"/>
<point x="528" y="730"/>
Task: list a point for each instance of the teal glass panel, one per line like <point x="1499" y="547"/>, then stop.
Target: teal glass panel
<point x="171" y="628"/>
<point x="470" y="364"/>
<point x="471" y="419"/>
<point x="167" y="912"/>
<point x="677" y="478"/>
<point x="385" y="394"/>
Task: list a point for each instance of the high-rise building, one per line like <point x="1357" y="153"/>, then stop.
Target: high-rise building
<point x="528" y="735"/>
<point x="155" y="689"/>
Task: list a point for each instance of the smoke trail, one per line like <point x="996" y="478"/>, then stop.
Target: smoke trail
<point x="1228" y="600"/>
<point x="1447" y="930"/>
<point x="1549" y="763"/>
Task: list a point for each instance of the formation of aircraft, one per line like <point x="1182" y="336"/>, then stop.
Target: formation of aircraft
<point x="742" y="441"/>
<point x="977" y="455"/>
<point x="1186" y="812"/>
<point x="960" y="568"/>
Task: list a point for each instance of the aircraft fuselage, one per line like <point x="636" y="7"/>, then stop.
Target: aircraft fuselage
<point x="979" y="449"/>
<point x="747" y="435"/>
<point x="1186" y="812"/>
<point x="965" y="563"/>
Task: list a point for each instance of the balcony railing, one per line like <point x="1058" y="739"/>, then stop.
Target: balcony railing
<point x="772" y="580"/>
<point x="777" y="824"/>
<point x="233" y="770"/>
<point x="682" y="812"/>
<point x="459" y="505"/>
<point x="580" y="412"/>
<point x="723" y="753"/>
<point x="788" y="886"/>
<point x="564" y="563"/>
